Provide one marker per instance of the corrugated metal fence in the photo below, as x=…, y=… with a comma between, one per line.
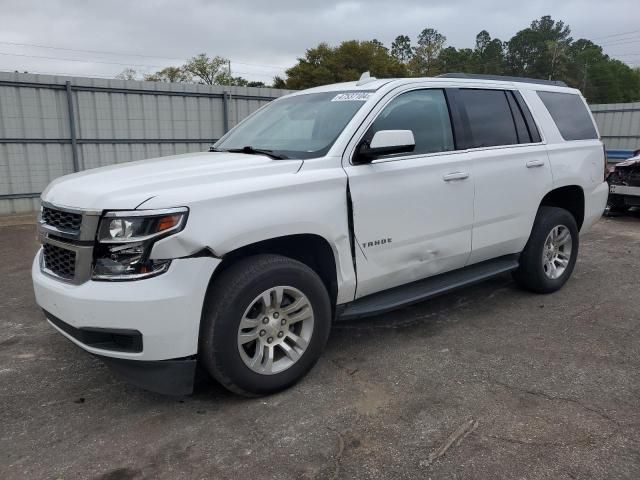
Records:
x=51, y=126
x=619, y=125
x=115, y=121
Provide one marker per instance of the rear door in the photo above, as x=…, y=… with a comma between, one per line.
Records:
x=511, y=169
x=412, y=213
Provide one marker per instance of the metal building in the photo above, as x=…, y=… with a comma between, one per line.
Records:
x=619, y=125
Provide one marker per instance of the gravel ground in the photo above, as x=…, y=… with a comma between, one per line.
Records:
x=488, y=382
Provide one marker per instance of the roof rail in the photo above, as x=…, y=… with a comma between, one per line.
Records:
x=503, y=78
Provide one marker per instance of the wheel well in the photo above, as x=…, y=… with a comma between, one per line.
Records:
x=570, y=198
x=312, y=250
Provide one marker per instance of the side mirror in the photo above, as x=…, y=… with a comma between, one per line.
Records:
x=385, y=142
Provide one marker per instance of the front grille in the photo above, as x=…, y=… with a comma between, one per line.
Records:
x=59, y=261
x=66, y=221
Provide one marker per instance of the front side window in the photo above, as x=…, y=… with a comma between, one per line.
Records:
x=302, y=126
x=570, y=114
x=425, y=113
x=490, y=120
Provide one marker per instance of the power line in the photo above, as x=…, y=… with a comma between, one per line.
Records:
x=258, y=74
x=67, y=74
x=88, y=51
x=80, y=60
x=90, y=75
x=616, y=34
x=626, y=42
x=122, y=54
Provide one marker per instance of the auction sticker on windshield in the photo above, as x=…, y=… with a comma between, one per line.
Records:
x=352, y=97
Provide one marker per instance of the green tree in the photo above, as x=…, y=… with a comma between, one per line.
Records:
x=425, y=56
x=539, y=51
x=483, y=39
x=209, y=71
x=279, y=82
x=401, y=49
x=325, y=64
x=378, y=43
x=451, y=60
x=127, y=74
x=589, y=70
x=169, y=75
x=488, y=54
x=212, y=71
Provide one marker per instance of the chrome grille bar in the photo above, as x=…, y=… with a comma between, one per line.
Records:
x=68, y=236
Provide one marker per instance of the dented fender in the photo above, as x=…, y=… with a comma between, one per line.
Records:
x=314, y=203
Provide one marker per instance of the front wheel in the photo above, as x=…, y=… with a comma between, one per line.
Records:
x=550, y=255
x=265, y=324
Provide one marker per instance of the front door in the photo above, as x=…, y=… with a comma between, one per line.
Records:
x=412, y=213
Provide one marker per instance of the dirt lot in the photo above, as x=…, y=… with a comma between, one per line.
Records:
x=490, y=382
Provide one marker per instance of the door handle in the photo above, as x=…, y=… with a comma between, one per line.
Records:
x=455, y=176
x=535, y=163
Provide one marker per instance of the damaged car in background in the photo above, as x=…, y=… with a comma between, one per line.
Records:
x=624, y=185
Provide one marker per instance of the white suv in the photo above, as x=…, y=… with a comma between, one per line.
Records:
x=336, y=202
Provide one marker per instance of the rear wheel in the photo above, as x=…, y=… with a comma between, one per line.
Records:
x=551, y=252
x=265, y=324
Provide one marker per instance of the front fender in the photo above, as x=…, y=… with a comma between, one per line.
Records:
x=315, y=204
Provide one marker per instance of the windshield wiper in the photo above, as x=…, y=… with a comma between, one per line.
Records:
x=256, y=151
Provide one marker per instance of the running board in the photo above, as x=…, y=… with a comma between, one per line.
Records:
x=415, y=292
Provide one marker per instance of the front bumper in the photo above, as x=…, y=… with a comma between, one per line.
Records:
x=165, y=310
x=146, y=331
x=168, y=377
x=624, y=190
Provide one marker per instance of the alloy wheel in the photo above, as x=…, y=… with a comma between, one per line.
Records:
x=556, y=252
x=275, y=330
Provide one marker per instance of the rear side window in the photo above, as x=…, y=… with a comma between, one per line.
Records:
x=531, y=124
x=518, y=118
x=425, y=113
x=490, y=119
x=570, y=114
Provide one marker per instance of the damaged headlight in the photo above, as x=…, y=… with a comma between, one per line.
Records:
x=125, y=239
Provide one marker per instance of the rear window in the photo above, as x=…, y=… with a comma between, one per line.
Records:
x=570, y=114
x=490, y=119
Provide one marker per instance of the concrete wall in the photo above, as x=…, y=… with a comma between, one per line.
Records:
x=113, y=121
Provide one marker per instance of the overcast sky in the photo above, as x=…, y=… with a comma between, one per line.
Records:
x=262, y=38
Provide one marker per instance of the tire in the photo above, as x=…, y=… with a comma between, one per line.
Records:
x=535, y=273
x=238, y=295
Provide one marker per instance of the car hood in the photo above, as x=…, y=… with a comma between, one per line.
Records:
x=128, y=185
x=629, y=162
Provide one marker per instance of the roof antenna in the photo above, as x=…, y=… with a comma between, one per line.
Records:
x=365, y=78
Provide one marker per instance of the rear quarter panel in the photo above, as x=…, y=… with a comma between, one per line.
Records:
x=576, y=162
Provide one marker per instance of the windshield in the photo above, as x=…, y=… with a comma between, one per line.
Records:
x=302, y=126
